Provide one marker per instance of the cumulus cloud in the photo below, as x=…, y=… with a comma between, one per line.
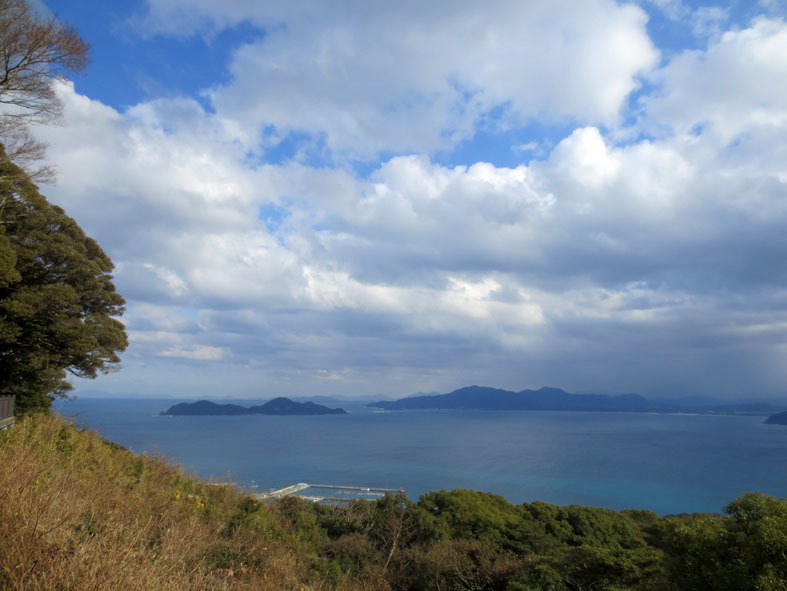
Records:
x=653, y=264
x=737, y=87
x=370, y=78
x=197, y=352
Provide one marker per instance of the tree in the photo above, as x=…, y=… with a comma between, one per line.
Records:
x=57, y=301
x=33, y=52
x=745, y=550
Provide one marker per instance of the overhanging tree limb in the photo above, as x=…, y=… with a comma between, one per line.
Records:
x=33, y=53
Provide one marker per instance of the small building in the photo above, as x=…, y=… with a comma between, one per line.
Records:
x=6, y=411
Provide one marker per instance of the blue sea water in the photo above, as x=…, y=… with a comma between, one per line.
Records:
x=665, y=463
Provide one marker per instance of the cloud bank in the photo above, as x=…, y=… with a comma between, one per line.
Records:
x=641, y=249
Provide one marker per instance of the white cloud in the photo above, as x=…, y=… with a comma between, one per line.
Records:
x=617, y=261
x=175, y=285
x=197, y=353
x=526, y=147
x=738, y=86
x=584, y=157
x=672, y=9
x=374, y=77
x=707, y=21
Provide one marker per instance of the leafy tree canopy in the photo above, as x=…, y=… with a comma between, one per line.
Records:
x=744, y=550
x=57, y=301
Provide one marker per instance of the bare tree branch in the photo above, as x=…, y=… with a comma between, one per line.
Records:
x=33, y=53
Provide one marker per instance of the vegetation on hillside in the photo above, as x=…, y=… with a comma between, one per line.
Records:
x=79, y=512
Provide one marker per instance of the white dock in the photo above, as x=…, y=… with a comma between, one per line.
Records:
x=283, y=492
x=351, y=493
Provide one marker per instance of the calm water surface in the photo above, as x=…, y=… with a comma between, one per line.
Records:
x=665, y=463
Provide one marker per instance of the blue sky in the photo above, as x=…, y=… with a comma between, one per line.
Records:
x=363, y=198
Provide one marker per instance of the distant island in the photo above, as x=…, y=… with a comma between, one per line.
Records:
x=485, y=398
x=277, y=406
x=780, y=418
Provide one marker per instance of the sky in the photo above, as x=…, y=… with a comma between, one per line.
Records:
x=363, y=198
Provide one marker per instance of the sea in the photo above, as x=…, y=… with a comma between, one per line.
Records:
x=666, y=463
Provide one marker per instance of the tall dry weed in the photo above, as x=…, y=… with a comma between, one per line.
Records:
x=79, y=513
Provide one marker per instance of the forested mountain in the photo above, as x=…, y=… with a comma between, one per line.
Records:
x=484, y=398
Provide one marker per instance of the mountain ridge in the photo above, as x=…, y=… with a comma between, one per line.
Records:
x=556, y=399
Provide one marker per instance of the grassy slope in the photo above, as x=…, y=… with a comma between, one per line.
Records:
x=78, y=512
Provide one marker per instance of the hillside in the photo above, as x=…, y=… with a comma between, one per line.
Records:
x=81, y=513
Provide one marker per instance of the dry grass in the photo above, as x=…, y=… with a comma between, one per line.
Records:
x=79, y=513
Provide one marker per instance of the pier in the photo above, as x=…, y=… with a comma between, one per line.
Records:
x=338, y=493
x=361, y=488
x=283, y=492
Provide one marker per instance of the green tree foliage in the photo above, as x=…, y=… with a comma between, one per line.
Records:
x=57, y=301
x=470, y=514
x=466, y=540
x=746, y=550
